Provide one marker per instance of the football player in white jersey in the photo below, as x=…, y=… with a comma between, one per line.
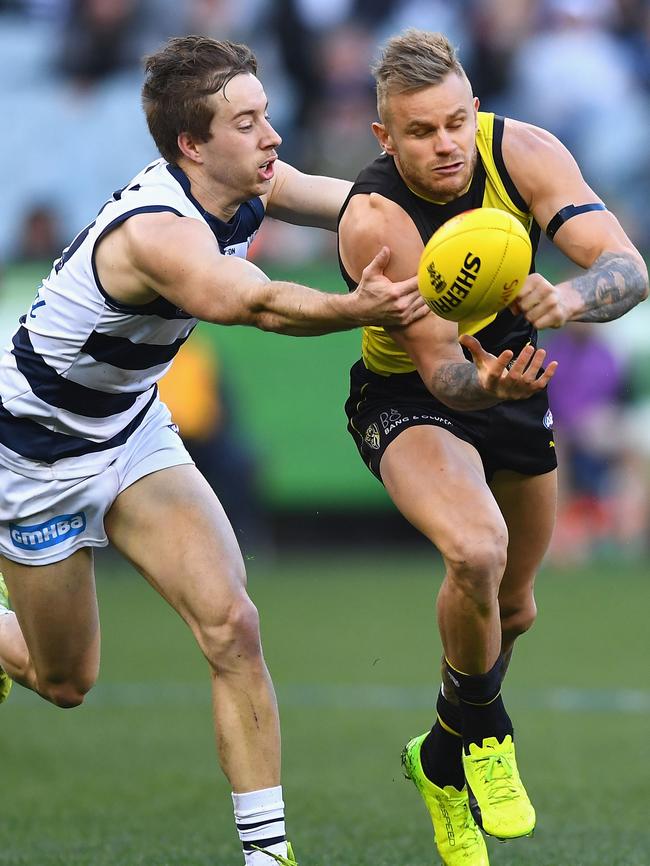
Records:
x=88, y=453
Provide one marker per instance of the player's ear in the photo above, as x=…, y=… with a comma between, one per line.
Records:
x=383, y=137
x=188, y=147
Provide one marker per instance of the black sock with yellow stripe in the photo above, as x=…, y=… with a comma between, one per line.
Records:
x=481, y=706
x=441, y=751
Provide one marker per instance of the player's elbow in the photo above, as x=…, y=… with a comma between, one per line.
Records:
x=635, y=271
x=645, y=284
x=632, y=269
x=226, y=312
x=643, y=293
x=267, y=321
x=238, y=298
x=258, y=308
x=275, y=323
x=261, y=315
x=637, y=287
x=268, y=310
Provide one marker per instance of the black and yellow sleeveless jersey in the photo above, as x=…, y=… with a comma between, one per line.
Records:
x=491, y=186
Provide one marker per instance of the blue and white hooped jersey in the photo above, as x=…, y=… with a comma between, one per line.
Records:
x=80, y=375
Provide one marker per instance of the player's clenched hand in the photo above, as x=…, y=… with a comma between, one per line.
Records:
x=506, y=378
x=378, y=301
x=542, y=303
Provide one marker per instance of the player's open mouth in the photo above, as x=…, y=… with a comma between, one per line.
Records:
x=266, y=170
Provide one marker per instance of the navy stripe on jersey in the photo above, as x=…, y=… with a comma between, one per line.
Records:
x=54, y=389
x=35, y=442
x=160, y=306
x=122, y=353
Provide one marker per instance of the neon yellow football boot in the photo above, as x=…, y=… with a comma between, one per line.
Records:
x=457, y=836
x=493, y=778
x=5, y=682
x=289, y=860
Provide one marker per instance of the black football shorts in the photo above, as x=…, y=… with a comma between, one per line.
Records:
x=515, y=435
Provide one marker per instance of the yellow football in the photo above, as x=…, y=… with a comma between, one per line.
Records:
x=474, y=266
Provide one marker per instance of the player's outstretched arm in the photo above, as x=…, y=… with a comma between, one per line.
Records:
x=507, y=377
x=615, y=278
x=178, y=259
x=467, y=386
x=306, y=199
x=615, y=283
x=289, y=308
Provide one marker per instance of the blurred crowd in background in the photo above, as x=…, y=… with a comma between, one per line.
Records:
x=73, y=130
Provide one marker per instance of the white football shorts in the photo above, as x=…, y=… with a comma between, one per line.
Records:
x=44, y=521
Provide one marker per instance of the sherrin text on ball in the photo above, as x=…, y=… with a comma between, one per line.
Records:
x=474, y=265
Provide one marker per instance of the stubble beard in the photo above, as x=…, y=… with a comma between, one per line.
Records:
x=443, y=191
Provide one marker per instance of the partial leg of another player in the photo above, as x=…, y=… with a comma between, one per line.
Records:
x=171, y=526
x=50, y=643
x=8, y=626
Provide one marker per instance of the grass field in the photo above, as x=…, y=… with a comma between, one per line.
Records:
x=131, y=778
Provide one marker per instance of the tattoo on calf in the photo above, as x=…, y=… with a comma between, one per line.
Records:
x=614, y=284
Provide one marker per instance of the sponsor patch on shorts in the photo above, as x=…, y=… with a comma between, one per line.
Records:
x=54, y=531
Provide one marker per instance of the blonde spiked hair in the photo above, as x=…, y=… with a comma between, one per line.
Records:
x=412, y=60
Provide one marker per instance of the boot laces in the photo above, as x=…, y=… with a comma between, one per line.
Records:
x=498, y=775
x=469, y=833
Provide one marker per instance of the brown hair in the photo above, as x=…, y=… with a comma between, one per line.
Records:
x=179, y=78
x=412, y=60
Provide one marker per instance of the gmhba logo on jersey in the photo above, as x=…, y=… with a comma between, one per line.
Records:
x=47, y=534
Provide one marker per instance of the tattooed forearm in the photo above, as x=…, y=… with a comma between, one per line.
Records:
x=614, y=284
x=457, y=386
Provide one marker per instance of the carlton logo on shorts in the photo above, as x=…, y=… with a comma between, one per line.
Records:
x=548, y=420
x=47, y=534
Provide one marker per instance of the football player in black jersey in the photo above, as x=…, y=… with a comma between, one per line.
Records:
x=459, y=432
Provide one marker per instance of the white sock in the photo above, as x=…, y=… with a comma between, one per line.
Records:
x=259, y=816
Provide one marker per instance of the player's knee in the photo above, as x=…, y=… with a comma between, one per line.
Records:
x=517, y=620
x=68, y=693
x=234, y=639
x=476, y=562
